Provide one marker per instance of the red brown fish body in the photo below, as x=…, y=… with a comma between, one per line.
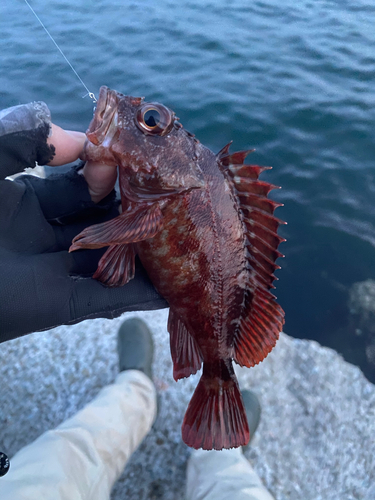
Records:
x=204, y=230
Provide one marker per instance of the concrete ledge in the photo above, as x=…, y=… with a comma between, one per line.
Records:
x=315, y=440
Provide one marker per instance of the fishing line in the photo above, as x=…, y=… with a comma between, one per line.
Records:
x=90, y=94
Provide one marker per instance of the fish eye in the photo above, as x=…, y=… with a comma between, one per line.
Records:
x=151, y=118
x=154, y=119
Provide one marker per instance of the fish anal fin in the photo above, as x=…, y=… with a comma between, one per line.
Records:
x=135, y=224
x=117, y=266
x=185, y=351
x=216, y=417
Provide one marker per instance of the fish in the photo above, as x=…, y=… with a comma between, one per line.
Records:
x=204, y=229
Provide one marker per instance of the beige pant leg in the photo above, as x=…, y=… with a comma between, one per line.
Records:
x=223, y=475
x=82, y=458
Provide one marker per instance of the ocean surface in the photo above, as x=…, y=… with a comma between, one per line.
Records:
x=295, y=80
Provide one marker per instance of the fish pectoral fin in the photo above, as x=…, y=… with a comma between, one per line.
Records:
x=185, y=352
x=117, y=266
x=136, y=224
x=216, y=417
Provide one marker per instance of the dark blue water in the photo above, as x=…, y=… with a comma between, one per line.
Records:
x=295, y=80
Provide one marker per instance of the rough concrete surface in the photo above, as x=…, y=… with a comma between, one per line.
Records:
x=362, y=308
x=316, y=439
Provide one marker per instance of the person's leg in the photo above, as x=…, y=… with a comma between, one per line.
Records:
x=82, y=458
x=226, y=474
x=223, y=475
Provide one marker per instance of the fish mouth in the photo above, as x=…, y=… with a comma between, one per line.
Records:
x=105, y=111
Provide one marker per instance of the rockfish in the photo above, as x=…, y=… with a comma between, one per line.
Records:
x=205, y=232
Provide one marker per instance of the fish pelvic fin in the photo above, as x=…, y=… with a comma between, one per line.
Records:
x=117, y=266
x=138, y=223
x=216, y=417
x=185, y=351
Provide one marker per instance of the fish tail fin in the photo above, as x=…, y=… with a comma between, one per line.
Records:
x=216, y=417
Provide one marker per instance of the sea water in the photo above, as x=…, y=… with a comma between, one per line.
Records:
x=295, y=80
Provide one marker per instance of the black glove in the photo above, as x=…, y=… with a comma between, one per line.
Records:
x=41, y=284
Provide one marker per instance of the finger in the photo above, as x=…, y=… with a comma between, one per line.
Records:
x=65, y=233
x=91, y=299
x=34, y=294
x=50, y=297
x=85, y=262
x=38, y=292
x=101, y=179
x=68, y=145
x=65, y=195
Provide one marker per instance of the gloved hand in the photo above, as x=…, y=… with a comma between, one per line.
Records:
x=41, y=284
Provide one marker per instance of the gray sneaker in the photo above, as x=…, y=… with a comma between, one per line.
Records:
x=253, y=411
x=135, y=346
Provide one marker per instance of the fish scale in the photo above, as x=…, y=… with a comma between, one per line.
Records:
x=203, y=227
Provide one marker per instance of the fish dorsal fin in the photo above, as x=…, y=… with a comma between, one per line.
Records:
x=224, y=151
x=185, y=352
x=234, y=158
x=262, y=318
x=138, y=223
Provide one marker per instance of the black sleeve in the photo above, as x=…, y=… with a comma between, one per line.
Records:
x=65, y=195
x=23, y=137
x=41, y=295
x=41, y=284
x=23, y=141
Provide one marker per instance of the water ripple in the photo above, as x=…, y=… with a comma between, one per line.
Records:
x=292, y=79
